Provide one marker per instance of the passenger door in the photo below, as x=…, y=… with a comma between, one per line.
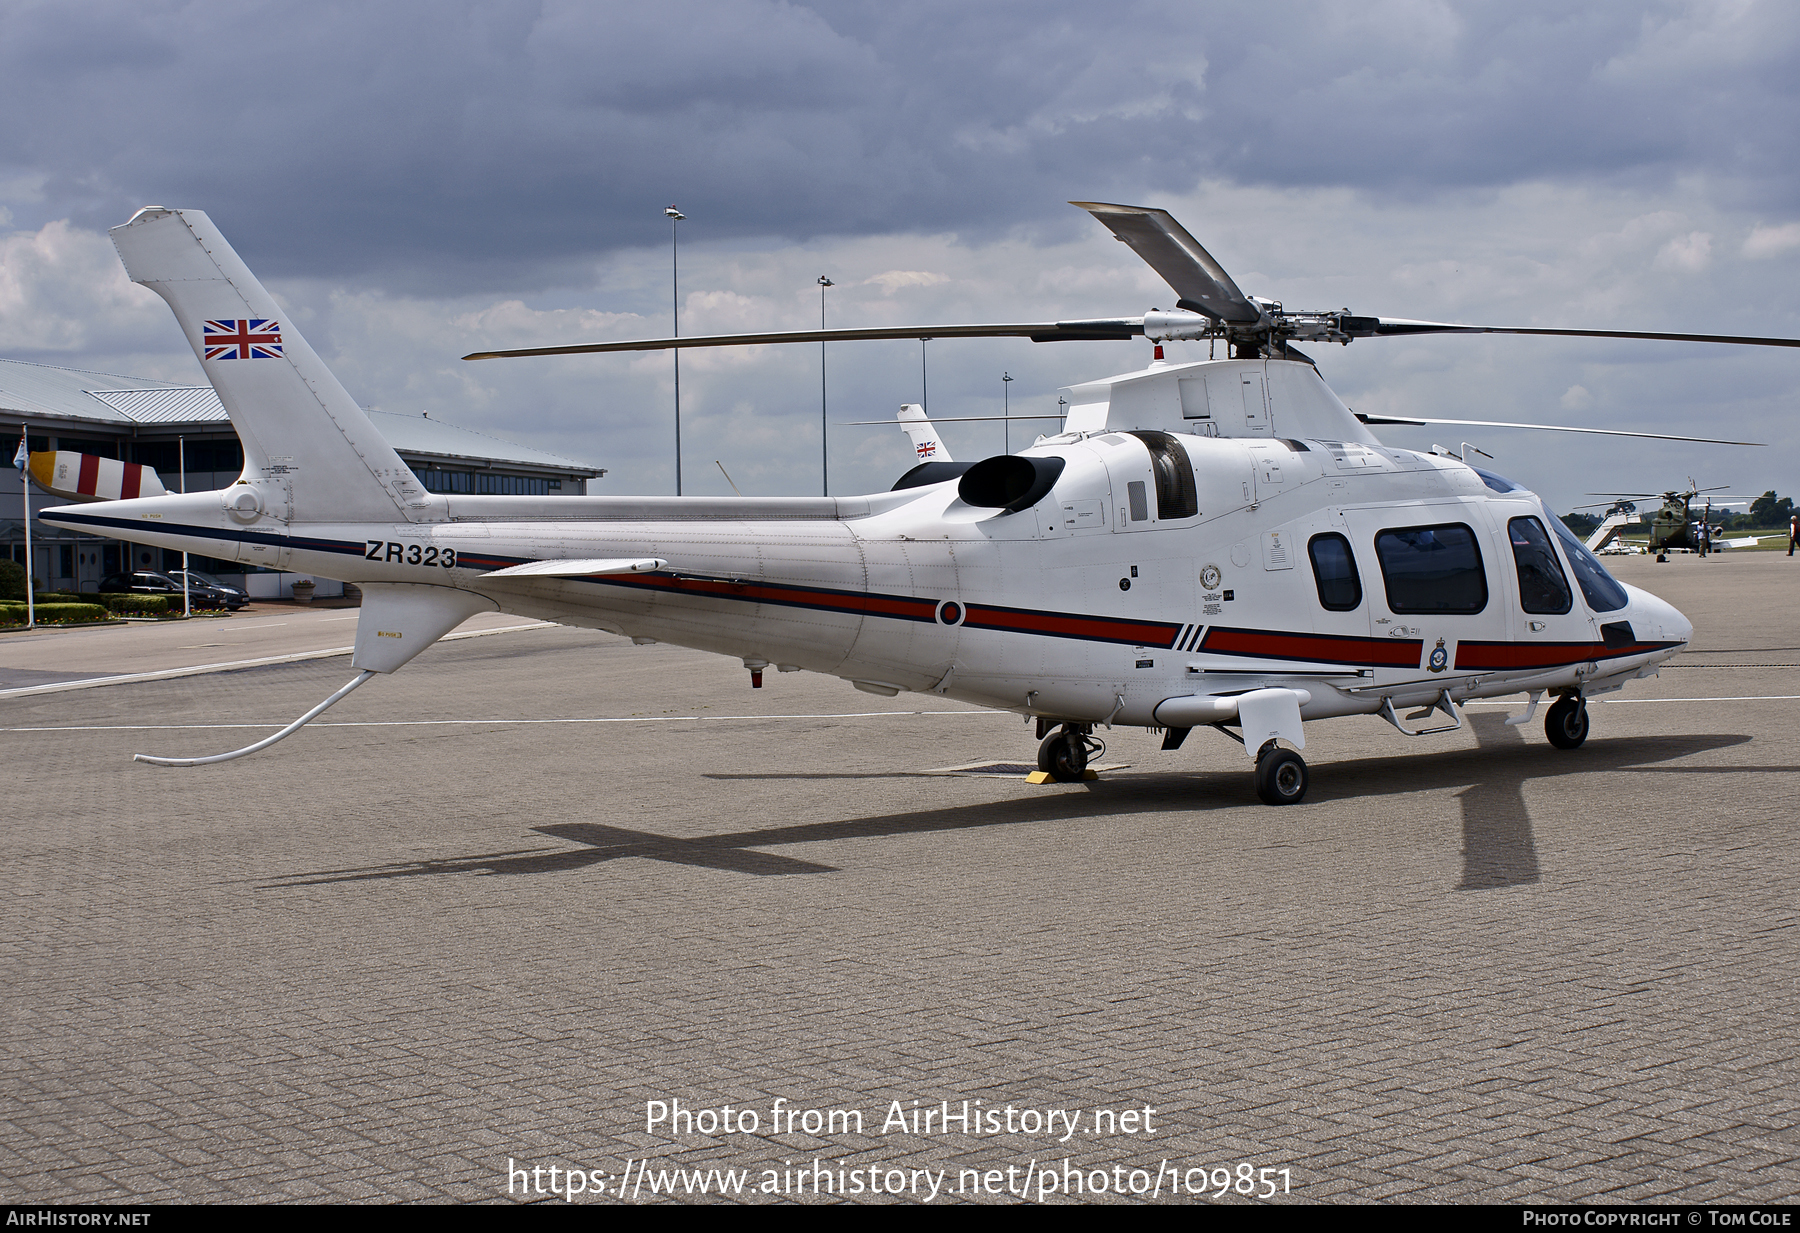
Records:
x=1434, y=579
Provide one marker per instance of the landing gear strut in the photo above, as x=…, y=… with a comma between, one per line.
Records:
x=1567, y=723
x=1064, y=754
x=1280, y=775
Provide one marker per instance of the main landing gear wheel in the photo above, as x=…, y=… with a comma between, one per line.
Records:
x=1567, y=723
x=1064, y=756
x=1280, y=776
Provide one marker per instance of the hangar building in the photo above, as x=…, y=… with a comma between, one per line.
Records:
x=138, y=420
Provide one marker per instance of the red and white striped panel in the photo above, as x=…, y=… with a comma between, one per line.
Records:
x=89, y=477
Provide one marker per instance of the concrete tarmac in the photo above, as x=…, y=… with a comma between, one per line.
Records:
x=498, y=913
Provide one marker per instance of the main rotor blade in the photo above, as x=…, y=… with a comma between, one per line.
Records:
x=953, y=419
x=1603, y=432
x=1386, y=327
x=1165, y=245
x=1044, y=331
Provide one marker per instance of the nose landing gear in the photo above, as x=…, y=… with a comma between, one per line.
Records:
x=1064, y=754
x=1567, y=723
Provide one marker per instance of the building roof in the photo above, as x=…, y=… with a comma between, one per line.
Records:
x=42, y=389
x=128, y=402
x=424, y=434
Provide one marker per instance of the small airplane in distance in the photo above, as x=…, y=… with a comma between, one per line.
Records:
x=1216, y=544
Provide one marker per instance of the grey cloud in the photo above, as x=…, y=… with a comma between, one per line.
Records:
x=452, y=147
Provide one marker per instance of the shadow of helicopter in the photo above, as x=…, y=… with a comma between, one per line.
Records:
x=1498, y=846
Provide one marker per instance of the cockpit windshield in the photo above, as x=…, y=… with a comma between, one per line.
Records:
x=1499, y=483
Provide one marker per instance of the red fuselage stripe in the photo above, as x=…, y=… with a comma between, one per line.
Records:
x=1314, y=648
x=1502, y=656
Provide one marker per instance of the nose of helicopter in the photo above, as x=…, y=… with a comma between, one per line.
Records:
x=1656, y=619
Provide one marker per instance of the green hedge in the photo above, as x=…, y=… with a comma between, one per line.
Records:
x=55, y=614
x=129, y=604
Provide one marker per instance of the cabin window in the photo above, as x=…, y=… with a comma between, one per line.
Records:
x=1176, y=496
x=1334, y=569
x=1433, y=569
x=1542, y=585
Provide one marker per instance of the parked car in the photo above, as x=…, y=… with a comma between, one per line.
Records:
x=144, y=582
x=235, y=597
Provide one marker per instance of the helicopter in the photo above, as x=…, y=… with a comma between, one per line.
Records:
x=1673, y=527
x=1216, y=544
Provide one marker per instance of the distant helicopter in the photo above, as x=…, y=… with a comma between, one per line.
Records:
x=1673, y=527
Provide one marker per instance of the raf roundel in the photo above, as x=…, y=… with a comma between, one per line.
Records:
x=950, y=612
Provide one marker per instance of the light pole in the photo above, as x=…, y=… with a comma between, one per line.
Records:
x=824, y=428
x=675, y=216
x=924, y=385
x=23, y=461
x=1006, y=405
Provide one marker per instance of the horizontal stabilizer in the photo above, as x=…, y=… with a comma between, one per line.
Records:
x=88, y=477
x=580, y=569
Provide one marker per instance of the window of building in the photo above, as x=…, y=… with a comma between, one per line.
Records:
x=1334, y=570
x=435, y=480
x=215, y=455
x=100, y=449
x=1542, y=584
x=512, y=485
x=158, y=455
x=1433, y=569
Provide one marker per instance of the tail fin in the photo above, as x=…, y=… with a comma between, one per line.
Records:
x=308, y=448
x=923, y=433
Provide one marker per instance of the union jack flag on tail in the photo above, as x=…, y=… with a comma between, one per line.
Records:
x=254, y=338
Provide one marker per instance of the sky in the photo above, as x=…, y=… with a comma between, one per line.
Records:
x=417, y=181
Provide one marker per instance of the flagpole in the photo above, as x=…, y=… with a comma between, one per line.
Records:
x=24, y=460
x=187, y=603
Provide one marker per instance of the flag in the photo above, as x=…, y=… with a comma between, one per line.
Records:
x=20, y=458
x=254, y=338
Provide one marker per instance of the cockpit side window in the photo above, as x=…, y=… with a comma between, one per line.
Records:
x=1334, y=570
x=1542, y=586
x=1597, y=586
x=1176, y=496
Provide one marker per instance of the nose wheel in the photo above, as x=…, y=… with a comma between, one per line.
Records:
x=1064, y=755
x=1280, y=776
x=1567, y=723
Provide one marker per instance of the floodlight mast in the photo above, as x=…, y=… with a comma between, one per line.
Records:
x=824, y=425
x=675, y=216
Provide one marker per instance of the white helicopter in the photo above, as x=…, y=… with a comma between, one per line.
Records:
x=1219, y=544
